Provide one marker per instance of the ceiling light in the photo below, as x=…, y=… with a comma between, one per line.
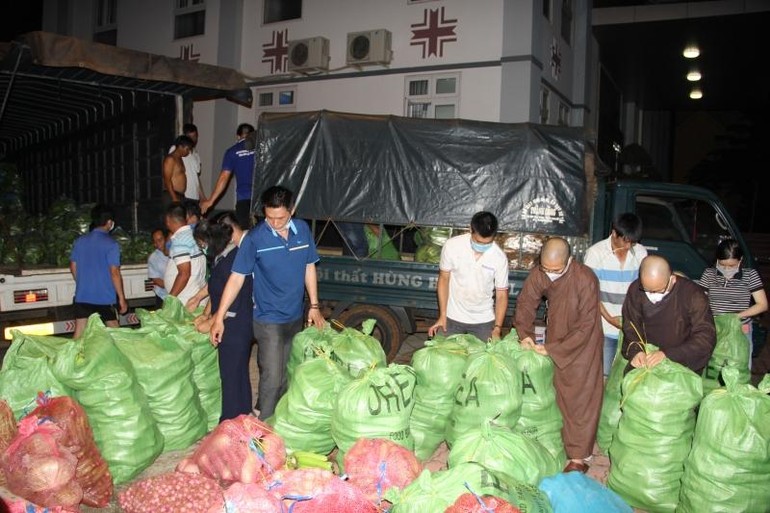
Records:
x=694, y=76
x=691, y=51
x=696, y=94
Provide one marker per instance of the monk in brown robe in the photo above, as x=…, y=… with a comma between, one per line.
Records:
x=574, y=340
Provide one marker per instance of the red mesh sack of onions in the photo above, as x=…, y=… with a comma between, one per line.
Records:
x=251, y=498
x=22, y=506
x=91, y=473
x=7, y=431
x=243, y=449
x=375, y=465
x=173, y=492
x=39, y=468
x=472, y=503
x=315, y=490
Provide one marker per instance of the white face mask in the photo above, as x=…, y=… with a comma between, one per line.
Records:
x=728, y=272
x=556, y=276
x=657, y=297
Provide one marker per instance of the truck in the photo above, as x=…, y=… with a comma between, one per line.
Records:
x=417, y=177
x=92, y=123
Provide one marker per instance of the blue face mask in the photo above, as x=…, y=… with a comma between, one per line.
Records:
x=480, y=248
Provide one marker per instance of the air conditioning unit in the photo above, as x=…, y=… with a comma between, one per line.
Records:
x=309, y=54
x=369, y=47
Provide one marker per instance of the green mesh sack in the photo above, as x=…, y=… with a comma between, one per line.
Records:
x=377, y=404
x=438, y=367
x=26, y=371
x=308, y=344
x=163, y=369
x=490, y=389
x=728, y=468
x=434, y=492
x=540, y=418
x=503, y=451
x=610, y=416
x=303, y=415
x=654, y=435
x=105, y=385
x=471, y=343
x=731, y=350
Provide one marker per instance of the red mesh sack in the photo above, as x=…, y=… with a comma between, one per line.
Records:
x=251, y=498
x=92, y=472
x=316, y=490
x=38, y=468
x=376, y=465
x=173, y=492
x=22, y=506
x=243, y=449
x=472, y=503
x=7, y=431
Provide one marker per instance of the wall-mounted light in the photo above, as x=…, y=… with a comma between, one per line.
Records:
x=691, y=51
x=694, y=76
x=696, y=94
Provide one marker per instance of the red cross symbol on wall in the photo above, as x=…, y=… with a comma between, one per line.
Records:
x=277, y=50
x=433, y=32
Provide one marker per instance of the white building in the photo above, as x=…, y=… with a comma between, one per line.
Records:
x=490, y=60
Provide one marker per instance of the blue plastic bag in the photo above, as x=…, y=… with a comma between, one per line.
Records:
x=574, y=492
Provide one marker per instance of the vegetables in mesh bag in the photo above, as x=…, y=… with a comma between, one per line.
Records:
x=490, y=389
x=540, y=417
x=105, y=386
x=164, y=370
x=303, y=415
x=376, y=405
x=503, y=451
x=472, y=503
x=731, y=350
x=39, y=468
x=173, y=492
x=318, y=491
x=439, y=368
x=7, y=431
x=251, y=498
x=243, y=449
x=728, y=468
x=91, y=473
x=654, y=435
x=610, y=416
x=375, y=466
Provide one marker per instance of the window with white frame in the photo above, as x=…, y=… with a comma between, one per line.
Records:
x=563, y=114
x=276, y=99
x=281, y=10
x=432, y=96
x=106, y=22
x=566, y=21
x=189, y=18
x=545, y=97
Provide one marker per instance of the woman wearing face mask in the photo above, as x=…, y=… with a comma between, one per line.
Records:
x=217, y=238
x=731, y=288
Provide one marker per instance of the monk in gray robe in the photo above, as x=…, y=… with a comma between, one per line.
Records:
x=574, y=340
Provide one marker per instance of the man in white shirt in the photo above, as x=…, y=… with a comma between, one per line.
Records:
x=615, y=261
x=156, y=266
x=473, y=282
x=186, y=270
x=192, y=166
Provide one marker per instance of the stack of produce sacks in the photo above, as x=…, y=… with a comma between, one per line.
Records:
x=728, y=468
x=439, y=368
x=654, y=434
x=540, y=417
x=732, y=350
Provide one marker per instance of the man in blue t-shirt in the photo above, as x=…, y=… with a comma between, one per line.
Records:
x=95, y=265
x=238, y=161
x=281, y=255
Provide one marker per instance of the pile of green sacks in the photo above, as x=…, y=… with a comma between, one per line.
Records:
x=145, y=391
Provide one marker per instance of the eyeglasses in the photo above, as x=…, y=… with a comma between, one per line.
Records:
x=668, y=284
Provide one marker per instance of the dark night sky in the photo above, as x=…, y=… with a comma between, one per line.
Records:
x=19, y=16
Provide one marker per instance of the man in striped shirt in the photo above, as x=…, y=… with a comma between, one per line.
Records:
x=186, y=269
x=615, y=261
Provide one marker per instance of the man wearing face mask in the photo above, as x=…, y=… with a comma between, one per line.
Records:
x=670, y=312
x=95, y=266
x=473, y=282
x=574, y=340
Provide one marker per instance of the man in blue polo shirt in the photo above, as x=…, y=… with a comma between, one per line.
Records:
x=281, y=255
x=95, y=265
x=238, y=160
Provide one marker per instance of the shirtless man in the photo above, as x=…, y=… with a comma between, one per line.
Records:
x=174, y=177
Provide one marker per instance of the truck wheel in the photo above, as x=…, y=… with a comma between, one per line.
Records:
x=387, y=330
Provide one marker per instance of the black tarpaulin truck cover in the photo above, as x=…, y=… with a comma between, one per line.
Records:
x=395, y=170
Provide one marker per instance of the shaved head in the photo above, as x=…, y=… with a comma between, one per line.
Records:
x=654, y=273
x=555, y=253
